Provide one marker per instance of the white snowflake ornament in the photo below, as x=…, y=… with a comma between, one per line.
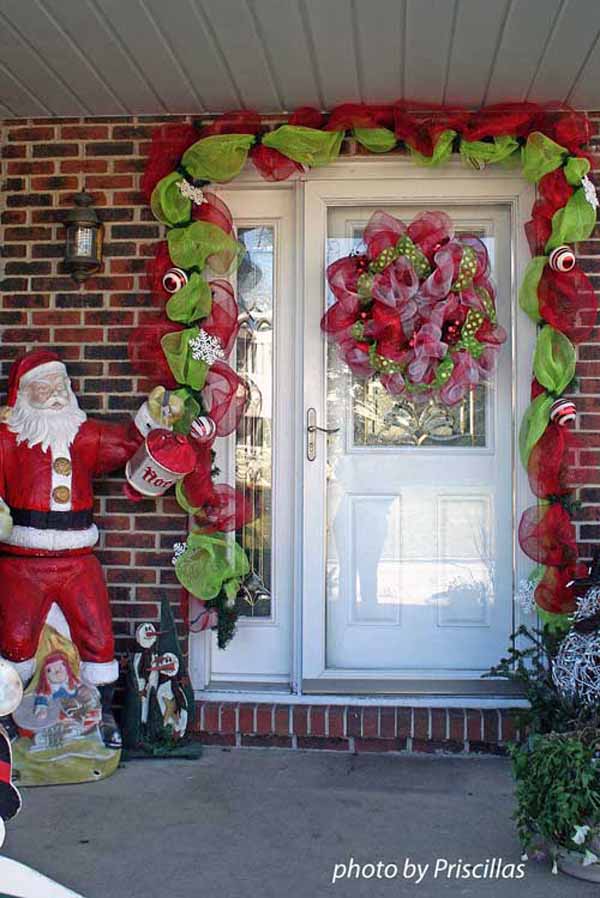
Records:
x=589, y=190
x=178, y=550
x=206, y=348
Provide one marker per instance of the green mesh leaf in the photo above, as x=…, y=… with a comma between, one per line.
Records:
x=528, y=295
x=480, y=152
x=211, y=563
x=191, y=302
x=573, y=222
x=556, y=623
x=535, y=420
x=217, y=158
x=191, y=410
x=575, y=169
x=183, y=500
x=376, y=140
x=441, y=152
x=554, y=360
x=185, y=369
x=193, y=246
x=309, y=146
x=167, y=203
x=541, y=156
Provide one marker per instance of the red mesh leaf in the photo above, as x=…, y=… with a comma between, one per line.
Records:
x=547, y=535
x=342, y=276
x=225, y=395
x=501, y=118
x=306, y=117
x=430, y=231
x=227, y=509
x=338, y=319
x=215, y=211
x=223, y=319
x=156, y=267
x=273, y=165
x=169, y=143
x=564, y=125
x=536, y=389
x=360, y=115
x=197, y=485
x=421, y=128
x=552, y=593
x=551, y=466
x=567, y=301
x=538, y=231
x=244, y=121
x=146, y=355
x=555, y=190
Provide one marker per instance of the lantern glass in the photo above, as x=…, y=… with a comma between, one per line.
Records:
x=84, y=232
x=84, y=242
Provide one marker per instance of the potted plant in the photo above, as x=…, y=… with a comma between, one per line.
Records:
x=557, y=766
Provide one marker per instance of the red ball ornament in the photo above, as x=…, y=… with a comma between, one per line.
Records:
x=174, y=279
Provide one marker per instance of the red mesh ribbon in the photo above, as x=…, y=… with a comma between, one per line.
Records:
x=360, y=115
x=156, y=268
x=421, y=128
x=430, y=231
x=197, y=486
x=383, y=230
x=215, y=211
x=566, y=126
x=226, y=509
x=223, y=319
x=244, y=121
x=567, y=302
x=225, y=396
x=554, y=192
x=552, y=467
x=552, y=593
x=307, y=117
x=499, y=119
x=169, y=143
x=146, y=354
x=195, y=613
x=273, y=165
x=547, y=535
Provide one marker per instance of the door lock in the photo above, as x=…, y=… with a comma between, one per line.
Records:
x=312, y=429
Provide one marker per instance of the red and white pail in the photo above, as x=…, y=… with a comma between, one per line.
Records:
x=162, y=459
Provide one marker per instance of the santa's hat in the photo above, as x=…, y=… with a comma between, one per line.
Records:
x=31, y=366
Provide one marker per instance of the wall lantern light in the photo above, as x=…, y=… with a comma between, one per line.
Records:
x=83, y=251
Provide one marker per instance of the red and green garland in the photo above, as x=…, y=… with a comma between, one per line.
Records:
x=185, y=347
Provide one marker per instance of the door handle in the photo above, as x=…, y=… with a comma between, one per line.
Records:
x=312, y=429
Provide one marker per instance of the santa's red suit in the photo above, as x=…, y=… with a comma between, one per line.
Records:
x=47, y=556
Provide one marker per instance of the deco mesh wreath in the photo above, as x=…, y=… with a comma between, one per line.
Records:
x=416, y=309
x=422, y=319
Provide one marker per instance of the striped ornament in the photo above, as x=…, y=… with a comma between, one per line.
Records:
x=562, y=259
x=174, y=279
x=563, y=411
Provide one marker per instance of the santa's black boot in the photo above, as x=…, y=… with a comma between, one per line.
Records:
x=109, y=730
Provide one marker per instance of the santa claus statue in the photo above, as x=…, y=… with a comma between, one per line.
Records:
x=50, y=451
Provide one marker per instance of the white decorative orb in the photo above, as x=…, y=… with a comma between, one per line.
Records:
x=576, y=668
x=174, y=279
x=562, y=259
x=203, y=429
x=11, y=689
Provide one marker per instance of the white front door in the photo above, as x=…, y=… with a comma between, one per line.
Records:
x=409, y=510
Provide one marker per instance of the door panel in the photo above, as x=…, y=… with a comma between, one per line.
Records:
x=416, y=509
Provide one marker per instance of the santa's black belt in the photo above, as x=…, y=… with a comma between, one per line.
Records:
x=52, y=520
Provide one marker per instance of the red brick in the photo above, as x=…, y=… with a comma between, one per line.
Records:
x=325, y=743
x=264, y=719
x=300, y=720
x=84, y=132
x=282, y=720
x=379, y=745
x=317, y=720
x=227, y=719
x=217, y=739
x=421, y=723
x=335, y=721
x=491, y=726
x=474, y=725
x=438, y=723
x=246, y=718
x=266, y=741
x=457, y=724
x=354, y=722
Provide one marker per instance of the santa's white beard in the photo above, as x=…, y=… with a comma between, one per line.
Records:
x=54, y=429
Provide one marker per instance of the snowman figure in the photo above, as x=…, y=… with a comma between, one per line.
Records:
x=171, y=696
x=145, y=666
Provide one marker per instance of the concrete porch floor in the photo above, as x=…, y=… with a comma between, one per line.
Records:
x=273, y=824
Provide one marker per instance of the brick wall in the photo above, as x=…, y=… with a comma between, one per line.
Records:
x=43, y=162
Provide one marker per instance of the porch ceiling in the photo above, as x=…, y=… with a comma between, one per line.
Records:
x=112, y=57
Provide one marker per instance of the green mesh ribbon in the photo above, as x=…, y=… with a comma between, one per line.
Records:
x=185, y=369
x=441, y=152
x=167, y=203
x=479, y=152
x=308, y=146
x=191, y=410
x=191, y=247
x=191, y=302
x=217, y=158
x=541, y=156
x=376, y=140
x=556, y=623
x=573, y=222
x=554, y=360
x=210, y=563
x=575, y=169
x=528, y=294
x=535, y=421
